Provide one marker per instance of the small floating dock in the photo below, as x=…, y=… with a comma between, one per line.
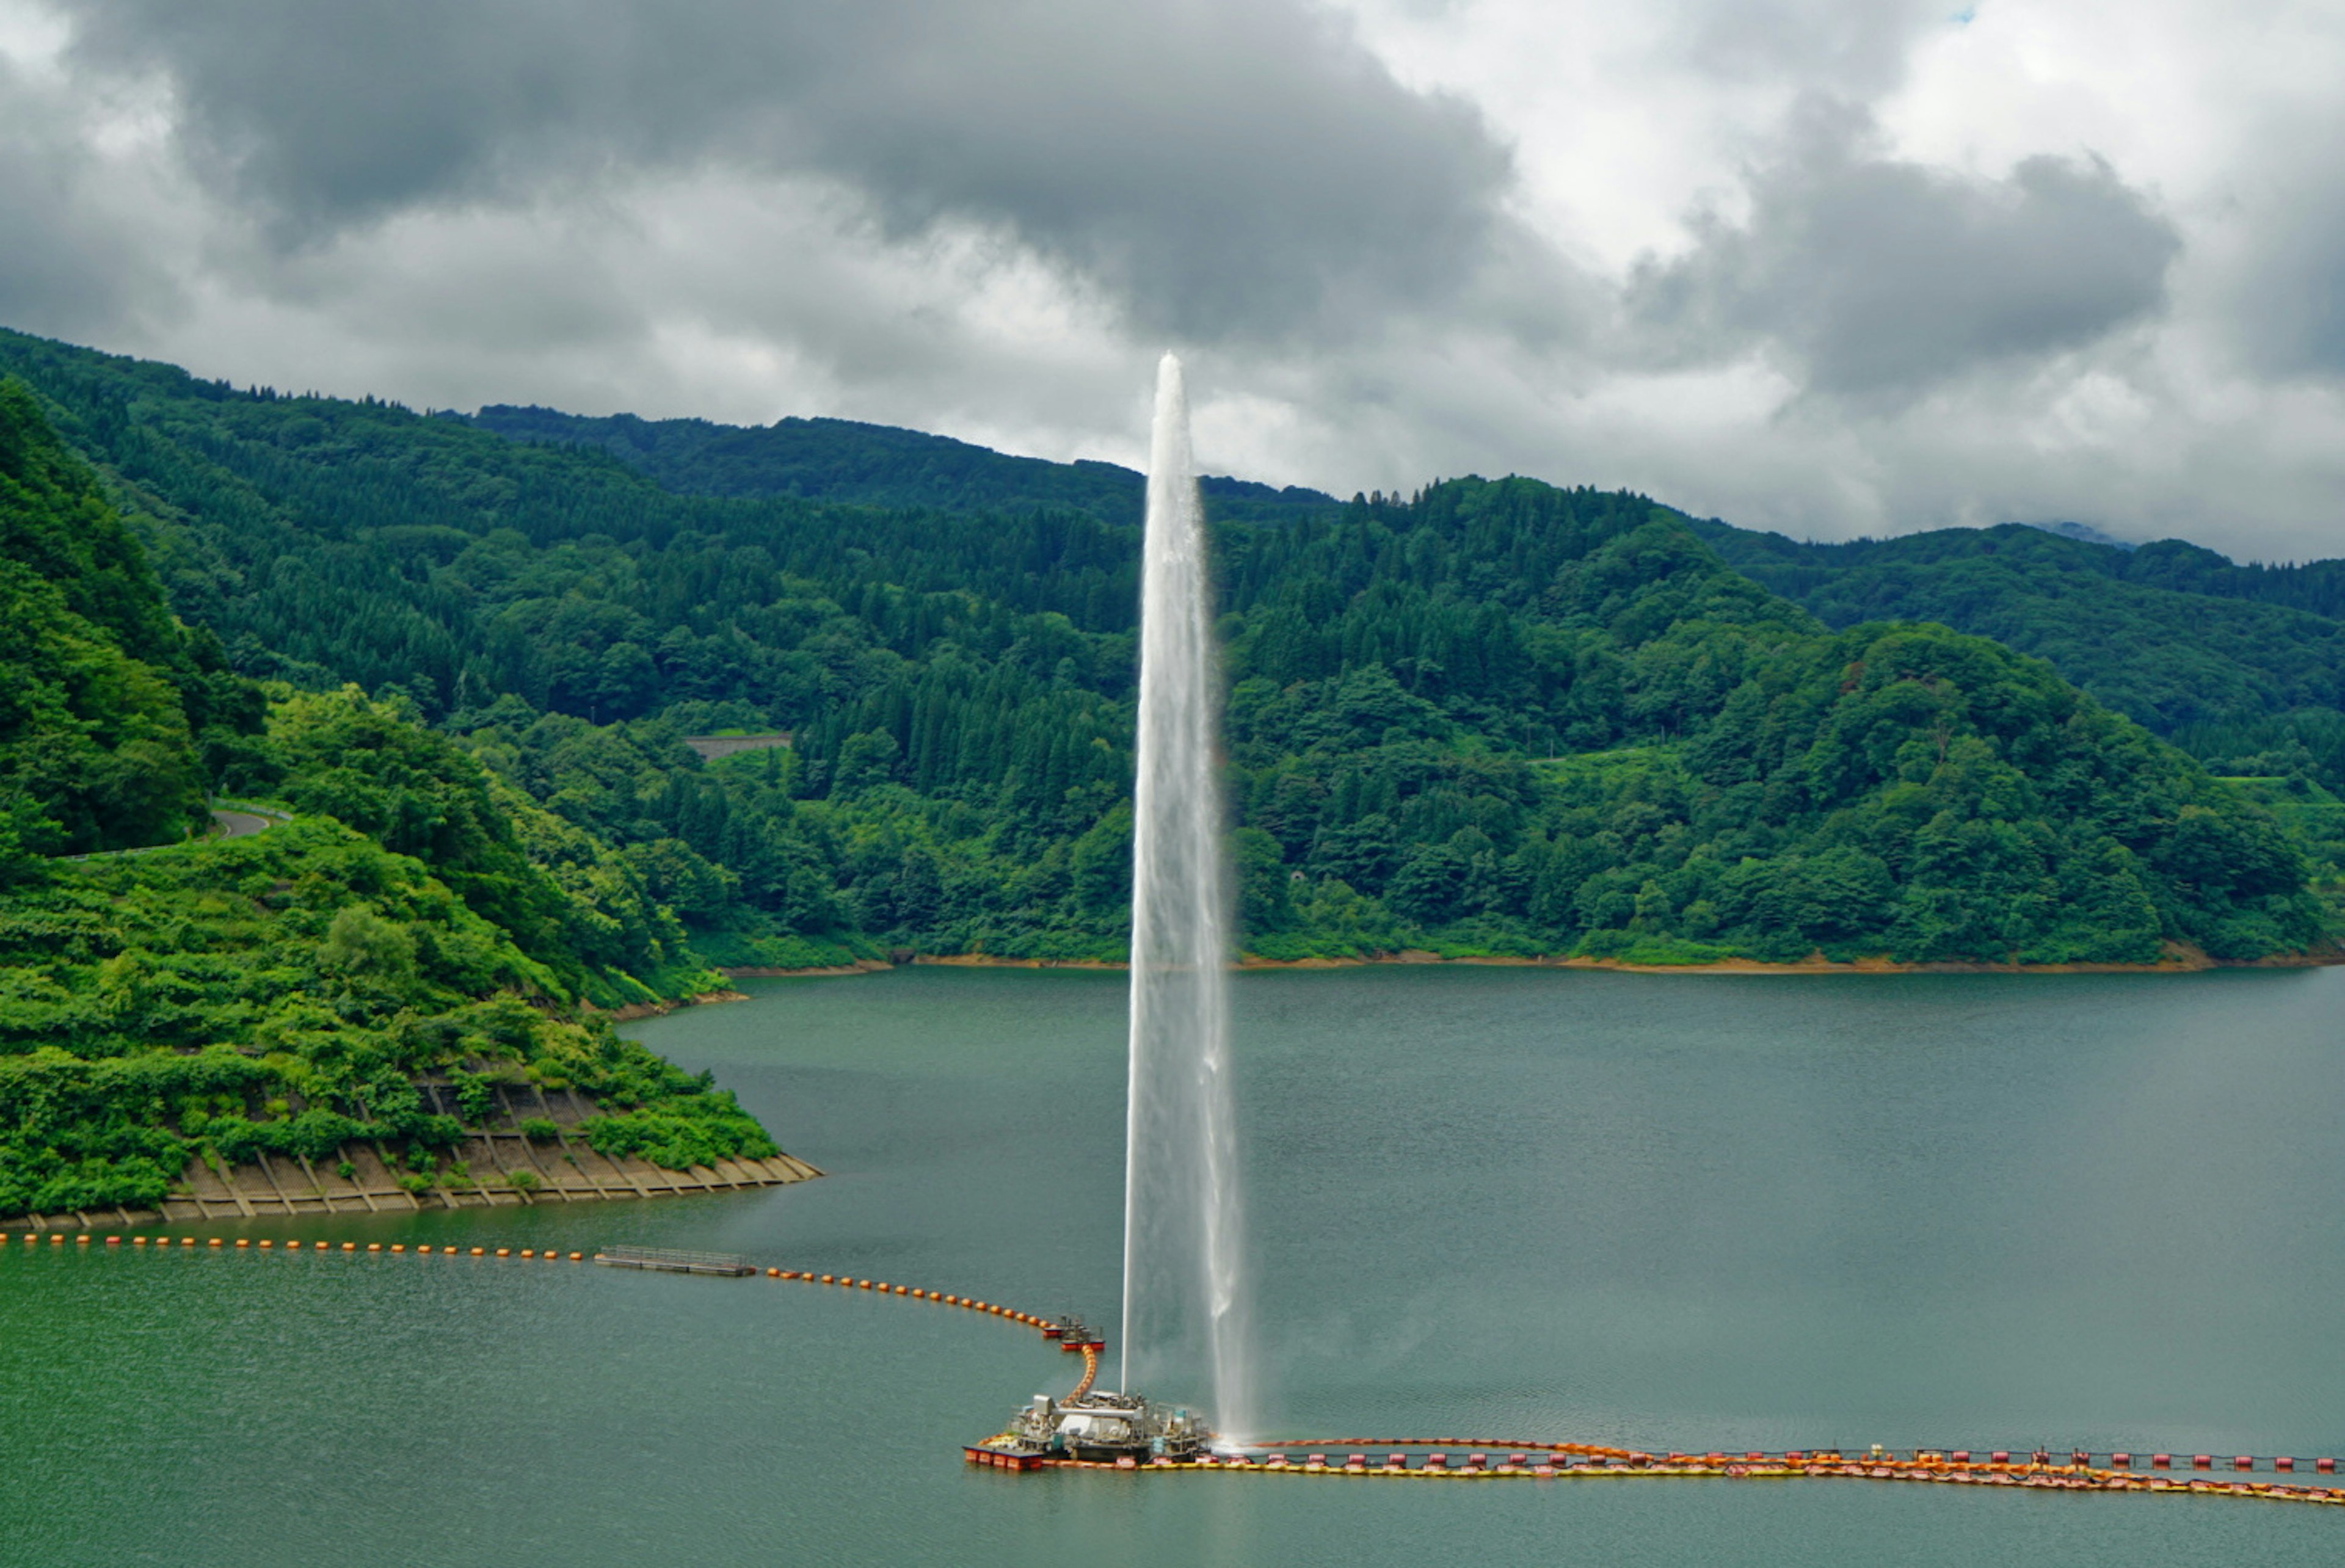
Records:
x=667, y=1261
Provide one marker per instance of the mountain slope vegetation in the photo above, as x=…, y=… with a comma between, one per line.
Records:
x=1494, y=717
x=179, y=996
x=2174, y=636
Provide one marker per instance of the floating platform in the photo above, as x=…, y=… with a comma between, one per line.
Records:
x=667, y=1261
x=1004, y=1458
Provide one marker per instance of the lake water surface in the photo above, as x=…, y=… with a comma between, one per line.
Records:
x=1691, y=1211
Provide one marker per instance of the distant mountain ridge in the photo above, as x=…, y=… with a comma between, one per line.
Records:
x=2087, y=533
x=2170, y=634
x=867, y=465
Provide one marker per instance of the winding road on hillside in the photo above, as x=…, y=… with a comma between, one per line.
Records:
x=226, y=823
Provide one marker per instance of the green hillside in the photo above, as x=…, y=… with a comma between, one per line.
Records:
x=411, y=915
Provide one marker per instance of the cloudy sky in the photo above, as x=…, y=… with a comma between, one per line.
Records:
x=1833, y=266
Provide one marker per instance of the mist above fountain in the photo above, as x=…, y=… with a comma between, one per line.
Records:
x=1184, y=1300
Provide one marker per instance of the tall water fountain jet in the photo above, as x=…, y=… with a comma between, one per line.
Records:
x=1185, y=1299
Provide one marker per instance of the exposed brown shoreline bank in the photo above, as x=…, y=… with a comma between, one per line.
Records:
x=635, y=1011
x=505, y=1165
x=2180, y=960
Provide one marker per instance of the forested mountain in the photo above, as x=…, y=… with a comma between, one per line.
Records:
x=413, y=914
x=2224, y=658
x=1492, y=717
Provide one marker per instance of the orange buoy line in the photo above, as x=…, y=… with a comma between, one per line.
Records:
x=2121, y=1462
x=880, y=1287
x=295, y=1244
x=550, y=1255
x=1434, y=1466
x=1554, y=1460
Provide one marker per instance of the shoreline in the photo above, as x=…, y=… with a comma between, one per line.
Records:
x=2180, y=961
x=518, y=1168
x=629, y=1013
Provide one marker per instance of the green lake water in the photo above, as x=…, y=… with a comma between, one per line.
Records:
x=1692, y=1211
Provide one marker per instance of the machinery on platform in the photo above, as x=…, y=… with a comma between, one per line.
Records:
x=1088, y=1426
x=1098, y=1428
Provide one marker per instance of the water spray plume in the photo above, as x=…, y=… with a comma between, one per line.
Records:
x=1184, y=1300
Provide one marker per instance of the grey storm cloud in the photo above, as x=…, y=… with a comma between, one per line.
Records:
x=1878, y=276
x=66, y=260
x=2290, y=300
x=1221, y=166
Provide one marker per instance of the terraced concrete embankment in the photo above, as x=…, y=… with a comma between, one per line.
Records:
x=505, y=1167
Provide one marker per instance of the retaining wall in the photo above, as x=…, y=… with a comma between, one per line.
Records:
x=566, y=1170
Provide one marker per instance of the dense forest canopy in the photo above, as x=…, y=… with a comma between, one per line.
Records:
x=2174, y=636
x=1492, y=717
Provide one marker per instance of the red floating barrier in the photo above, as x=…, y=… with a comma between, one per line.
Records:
x=2325, y=1466
x=2080, y=1457
x=1961, y=1456
x=2202, y=1461
x=2121, y=1461
x=2284, y=1463
x=2161, y=1462
x=2243, y=1462
x=2002, y=1456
